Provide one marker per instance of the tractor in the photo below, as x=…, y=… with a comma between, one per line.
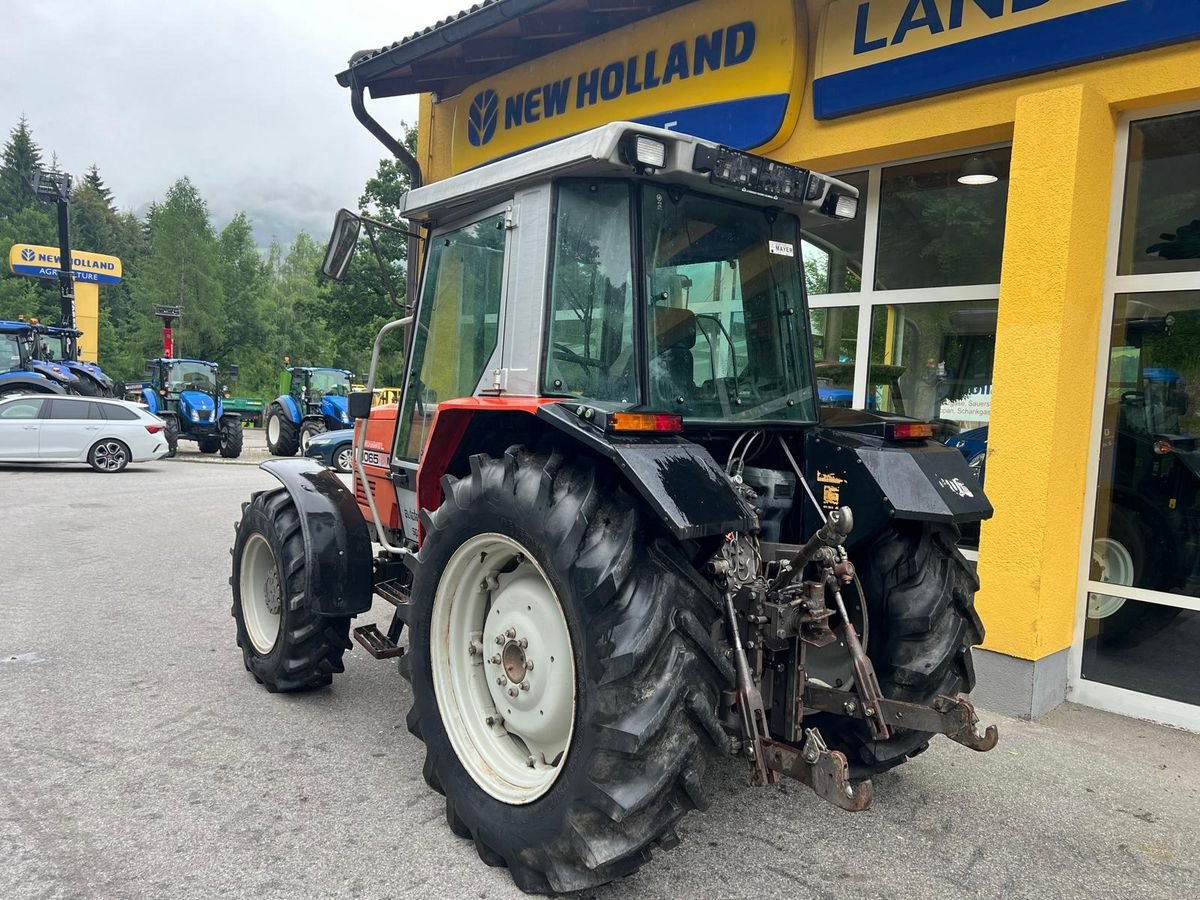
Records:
x=22, y=372
x=615, y=537
x=59, y=345
x=186, y=395
x=311, y=401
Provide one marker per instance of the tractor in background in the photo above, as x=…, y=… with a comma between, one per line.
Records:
x=22, y=373
x=311, y=401
x=59, y=345
x=186, y=394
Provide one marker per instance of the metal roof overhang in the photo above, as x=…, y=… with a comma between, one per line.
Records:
x=488, y=38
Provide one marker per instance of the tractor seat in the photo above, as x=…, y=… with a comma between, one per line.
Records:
x=672, y=370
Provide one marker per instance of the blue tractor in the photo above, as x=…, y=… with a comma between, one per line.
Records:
x=22, y=373
x=58, y=345
x=311, y=402
x=185, y=394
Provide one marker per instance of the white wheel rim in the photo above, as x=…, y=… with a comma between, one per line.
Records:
x=508, y=709
x=1116, y=567
x=261, y=593
x=345, y=459
x=273, y=429
x=305, y=440
x=110, y=456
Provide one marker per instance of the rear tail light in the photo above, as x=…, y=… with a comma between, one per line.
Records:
x=154, y=429
x=1162, y=448
x=645, y=422
x=909, y=431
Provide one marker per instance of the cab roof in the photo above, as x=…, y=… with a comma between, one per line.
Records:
x=15, y=327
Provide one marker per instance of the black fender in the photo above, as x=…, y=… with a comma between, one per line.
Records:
x=881, y=480
x=679, y=480
x=337, y=546
x=34, y=384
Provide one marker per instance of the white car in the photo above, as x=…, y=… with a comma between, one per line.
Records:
x=106, y=434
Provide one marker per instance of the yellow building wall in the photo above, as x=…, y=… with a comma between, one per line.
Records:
x=87, y=319
x=1062, y=125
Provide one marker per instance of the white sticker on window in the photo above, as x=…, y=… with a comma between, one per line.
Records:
x=781, y=249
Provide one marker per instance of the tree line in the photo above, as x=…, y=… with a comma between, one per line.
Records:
x=241, y=307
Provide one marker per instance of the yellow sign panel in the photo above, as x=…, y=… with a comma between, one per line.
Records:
x=42, y=262
x=873, y=53
x=731, y=73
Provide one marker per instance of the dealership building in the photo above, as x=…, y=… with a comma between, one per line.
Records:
x=1024, y=268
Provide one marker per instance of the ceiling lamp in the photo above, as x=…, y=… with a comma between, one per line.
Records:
x=978, y=170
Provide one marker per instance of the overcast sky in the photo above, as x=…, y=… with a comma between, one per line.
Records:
x=239, y=95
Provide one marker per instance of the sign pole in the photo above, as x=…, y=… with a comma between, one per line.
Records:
x=66, y=280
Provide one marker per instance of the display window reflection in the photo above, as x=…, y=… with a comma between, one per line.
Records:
x=1160, y=231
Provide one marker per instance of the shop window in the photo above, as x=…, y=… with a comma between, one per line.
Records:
x=833, y=249
x=1143, y=647
x=941, y=221
x=1147, y=529
x=933, y=361
x=835, y=340
x=1161, y=227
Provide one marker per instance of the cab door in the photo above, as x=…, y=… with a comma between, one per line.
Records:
x=68, y=428
x=456, y=335
x=19, y=427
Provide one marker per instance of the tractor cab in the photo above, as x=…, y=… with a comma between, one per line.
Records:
x=59, y=345
x=22, y=370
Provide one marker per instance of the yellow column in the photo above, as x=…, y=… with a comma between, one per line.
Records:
x=1045, y=372
x=87, y=319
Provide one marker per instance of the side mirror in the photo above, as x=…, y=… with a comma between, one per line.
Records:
x=342, y=242
x=358, y=405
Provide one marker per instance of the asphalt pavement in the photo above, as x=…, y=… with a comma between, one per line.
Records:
x=139, y=759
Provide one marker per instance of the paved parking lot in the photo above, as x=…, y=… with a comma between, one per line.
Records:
x=139, y=759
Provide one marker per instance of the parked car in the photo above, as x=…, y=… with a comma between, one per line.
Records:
x=334, y=449
x=106, y=434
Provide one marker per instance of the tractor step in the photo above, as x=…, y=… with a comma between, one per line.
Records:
x=376, y=642
x=393, y=592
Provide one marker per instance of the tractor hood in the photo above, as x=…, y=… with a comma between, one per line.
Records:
x=56, y=372
x=198, y=406
x=335, y=408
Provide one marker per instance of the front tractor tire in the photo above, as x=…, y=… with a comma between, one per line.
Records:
x=309, y=429
x=171, y=433
x=285, y=645
x=231, y=437
x=921, y=606
x=562, y=669
x=282, y=436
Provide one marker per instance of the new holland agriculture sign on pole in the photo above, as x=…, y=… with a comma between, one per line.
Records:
x=42, y=262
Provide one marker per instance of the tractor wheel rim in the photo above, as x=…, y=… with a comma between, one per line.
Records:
x=261, y=593
x=273, y=429
x=345, y=459
x=1115, y=565
x=503, y=668
x=110, y=456
x=305, y=440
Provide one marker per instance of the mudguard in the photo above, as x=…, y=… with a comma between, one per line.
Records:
x=679, y=480
x=291, y=407
x=30, y=381
x=337, y=546
x=881, y=480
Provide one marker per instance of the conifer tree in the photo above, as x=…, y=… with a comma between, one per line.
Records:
x=18, y=159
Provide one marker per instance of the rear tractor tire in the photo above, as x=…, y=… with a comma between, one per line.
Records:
x=282, y=437
x=231, y=437
x=923, y=624
x=285, y=645
x=171, y=433
x=562, y=667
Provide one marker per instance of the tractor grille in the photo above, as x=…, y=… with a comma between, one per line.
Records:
x=205, y=415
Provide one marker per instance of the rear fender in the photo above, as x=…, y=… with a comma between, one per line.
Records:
x=337, y=546
x=882, y=481
x=290, y=407
x=29, y=381
x=679, y=480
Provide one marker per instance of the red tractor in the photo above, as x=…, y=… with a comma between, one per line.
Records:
x=613, y=520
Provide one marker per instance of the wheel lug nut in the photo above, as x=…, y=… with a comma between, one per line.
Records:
x=522, y=643
x=472, y=649
x=512, y=692
x=495, y=660
x=510, y=633
x=524, y=686
x=501, y=681
x=499, y=639
x=529, y=665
